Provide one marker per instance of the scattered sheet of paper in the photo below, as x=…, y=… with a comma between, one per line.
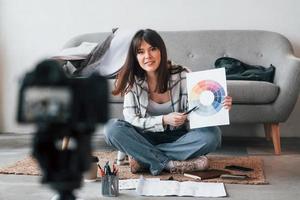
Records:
x=131, y=184
x=207, y=89
x=187, y=188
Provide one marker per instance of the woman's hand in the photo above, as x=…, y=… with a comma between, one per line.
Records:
x=227, y=103
x=174, y=119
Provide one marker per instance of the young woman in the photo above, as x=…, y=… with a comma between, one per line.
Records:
x=155, y=131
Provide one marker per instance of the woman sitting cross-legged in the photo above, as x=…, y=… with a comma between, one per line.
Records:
x=154, y=133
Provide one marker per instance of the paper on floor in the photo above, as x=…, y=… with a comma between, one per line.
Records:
x=130, y=184
x=187, y=188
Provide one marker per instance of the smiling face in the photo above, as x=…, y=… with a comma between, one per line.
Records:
x=148, y=57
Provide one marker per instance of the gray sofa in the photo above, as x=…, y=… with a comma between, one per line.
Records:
x=253, y=101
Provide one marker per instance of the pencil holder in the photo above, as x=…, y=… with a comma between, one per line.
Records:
x=110, y=185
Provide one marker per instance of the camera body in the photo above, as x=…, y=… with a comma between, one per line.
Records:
x=62, y=107
x=47, y=95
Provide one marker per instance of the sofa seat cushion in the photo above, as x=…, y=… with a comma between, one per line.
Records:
x=242, y=92
x=252, y=92
x=112, y=98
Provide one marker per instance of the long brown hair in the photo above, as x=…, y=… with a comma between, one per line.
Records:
x=132, y=69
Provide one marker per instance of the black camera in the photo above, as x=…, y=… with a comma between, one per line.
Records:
x=62, y=107
x=47, y=95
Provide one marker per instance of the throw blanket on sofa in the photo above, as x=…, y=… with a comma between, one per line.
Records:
x=108, y=57
x=237, y=70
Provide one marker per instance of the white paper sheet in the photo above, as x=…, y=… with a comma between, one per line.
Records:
x=207, y=89
x=187, y=188
x=131, y=184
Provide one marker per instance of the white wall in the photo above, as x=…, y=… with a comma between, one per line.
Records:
x=34, y=29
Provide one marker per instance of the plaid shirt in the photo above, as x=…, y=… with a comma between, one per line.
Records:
x=136, y=102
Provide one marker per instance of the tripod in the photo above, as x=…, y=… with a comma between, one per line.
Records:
x=62, y=168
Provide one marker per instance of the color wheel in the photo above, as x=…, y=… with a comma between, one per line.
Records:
x=209, y=95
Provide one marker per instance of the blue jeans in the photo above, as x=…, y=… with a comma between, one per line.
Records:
x=132, y=141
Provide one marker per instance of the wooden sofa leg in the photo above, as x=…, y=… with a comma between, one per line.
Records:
x=275, y=135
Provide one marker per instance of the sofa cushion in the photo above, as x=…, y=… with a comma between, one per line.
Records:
x=242, y=92
x=252, y=92
x=112, y=98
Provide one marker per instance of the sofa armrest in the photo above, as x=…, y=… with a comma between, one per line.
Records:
x=287, y=77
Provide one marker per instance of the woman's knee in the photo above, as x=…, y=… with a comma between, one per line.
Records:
x=213, y=138
x=112, y=129
x=116, y=129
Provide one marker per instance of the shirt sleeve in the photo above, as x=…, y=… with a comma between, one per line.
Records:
x=132, y=114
